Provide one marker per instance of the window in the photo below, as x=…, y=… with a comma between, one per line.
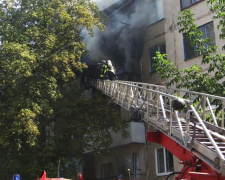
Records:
x=155, y=11
x=164, y=161
x=105, y=170
x=152, y=52
x=136, y=169
x=123, y=164
x=187, y=3
x=208, y=32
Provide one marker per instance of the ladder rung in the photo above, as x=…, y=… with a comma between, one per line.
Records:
x=205, y=140
x=221, y=148
x=218, y=143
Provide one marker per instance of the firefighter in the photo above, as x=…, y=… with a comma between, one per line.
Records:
x=111, y=70
x=104, y=70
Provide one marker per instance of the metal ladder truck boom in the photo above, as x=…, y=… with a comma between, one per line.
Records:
x=191, y=128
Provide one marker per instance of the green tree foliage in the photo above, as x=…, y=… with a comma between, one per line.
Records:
x=40, y=51
x=193, y=78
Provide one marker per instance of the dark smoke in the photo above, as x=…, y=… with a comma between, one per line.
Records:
x=122, y=40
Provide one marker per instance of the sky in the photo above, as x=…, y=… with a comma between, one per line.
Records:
x=104, y=3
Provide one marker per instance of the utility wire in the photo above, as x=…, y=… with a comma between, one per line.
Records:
x=117, y=10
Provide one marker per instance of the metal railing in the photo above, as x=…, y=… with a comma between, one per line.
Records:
x=155, y=103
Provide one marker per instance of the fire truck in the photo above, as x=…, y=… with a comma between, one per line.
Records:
x=43, y=176
x=188, y=124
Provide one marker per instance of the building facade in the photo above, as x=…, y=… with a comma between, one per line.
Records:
x=142, y=159
x=162, y=34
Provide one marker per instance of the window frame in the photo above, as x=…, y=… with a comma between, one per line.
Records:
x=204, y=36
x=156, y=5
x=165, y=162
x=105, y=170
x=151, y=61
x=135, y=165
x=191, y=4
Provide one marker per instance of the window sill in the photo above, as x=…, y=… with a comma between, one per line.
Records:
x=163, y=174
x=192, y=57
x=155, y=22
x=182, y=9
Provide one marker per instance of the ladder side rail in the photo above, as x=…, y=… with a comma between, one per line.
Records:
x=114, y=95
x=147, y=104
x=206, y=106
x=134, y=92
x=162, y=106
x=199, y=104
x=101, y=85
x=171, y=116
x=114, y=89
x=125, y=96
x=157, y=97
x=211, y=111
x=112, y=86
x=198, y=93
x=119, y=93
x=157, y=100
x=203, y=108
x=142, y=97
x=104, y=86
x=129, y=97
x=196, y=114
x=223, y=106
x=108, y=87
x=144, y=100
x=136, y=96
x=205, y=95
x=122, y=91
x=173, y=89
x=219, y=153
x=153, y=106
x=132, y=84
x=204, y=101
x=180, y=128
x=144, y=84
x=159, y=104
x=97, y=84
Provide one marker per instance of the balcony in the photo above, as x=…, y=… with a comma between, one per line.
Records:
x=137, y=135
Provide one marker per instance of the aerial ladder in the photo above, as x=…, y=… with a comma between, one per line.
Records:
x=188, y=124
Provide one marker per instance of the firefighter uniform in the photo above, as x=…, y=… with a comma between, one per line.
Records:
x=104, y=70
